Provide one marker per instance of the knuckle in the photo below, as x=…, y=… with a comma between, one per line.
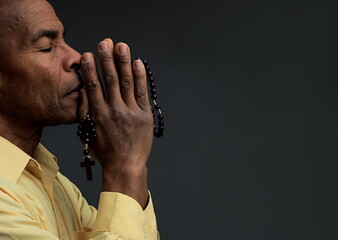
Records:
x=97, y=113
x=140, y=122
x=89, y=67
x=145, y=120
x=150, y=118
x=141, y=92
x=118, y=113
x=124, y=60
x=99, y=116
x=106, y=57
x=136, y=120
x=131, y=120
x=139, y=75
x=99, y=119
x=127, y=82
x=110, y=79
x=92, y=84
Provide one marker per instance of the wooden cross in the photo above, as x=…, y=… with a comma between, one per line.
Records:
x=88, y=163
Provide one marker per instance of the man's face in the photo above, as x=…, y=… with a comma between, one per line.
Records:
x=38, y=69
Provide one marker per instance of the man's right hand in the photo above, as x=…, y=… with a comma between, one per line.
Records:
x=123, y=120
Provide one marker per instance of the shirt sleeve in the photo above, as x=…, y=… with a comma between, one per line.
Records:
x=118, y=217
x=121, y=217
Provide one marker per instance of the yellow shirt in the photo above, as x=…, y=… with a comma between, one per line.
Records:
x=37, y=202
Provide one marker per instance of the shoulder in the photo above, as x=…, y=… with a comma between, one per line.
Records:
x=14, y=199
x=10, y=189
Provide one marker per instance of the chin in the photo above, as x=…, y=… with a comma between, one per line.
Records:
x=64, y=118
x=70, y=121
x=71, y=118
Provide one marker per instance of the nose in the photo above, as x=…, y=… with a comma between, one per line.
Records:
x=72, y=59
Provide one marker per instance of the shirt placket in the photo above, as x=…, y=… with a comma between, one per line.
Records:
x=48, y=177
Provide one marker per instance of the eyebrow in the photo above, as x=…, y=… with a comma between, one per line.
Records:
x=53, y=34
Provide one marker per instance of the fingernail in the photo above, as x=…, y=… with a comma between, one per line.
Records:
x=86, y=57
x=138, y=64
x=103, y=46
x=122, y=49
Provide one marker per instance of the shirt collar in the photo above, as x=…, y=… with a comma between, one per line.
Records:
x=13, y=160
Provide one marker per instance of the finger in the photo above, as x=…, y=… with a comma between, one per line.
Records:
x=91, y=82
x=141, y=92
x=110, y=76
x=122, y=55
x=83, y=108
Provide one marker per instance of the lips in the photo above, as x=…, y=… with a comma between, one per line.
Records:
x=75, y=89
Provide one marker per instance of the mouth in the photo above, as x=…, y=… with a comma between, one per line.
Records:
x=76, y=90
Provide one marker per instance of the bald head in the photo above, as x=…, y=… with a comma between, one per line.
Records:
x=12, y=19
x=4, y=13
x=7, y=2
x=9, y=18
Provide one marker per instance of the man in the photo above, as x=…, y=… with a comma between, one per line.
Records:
x=40, y=86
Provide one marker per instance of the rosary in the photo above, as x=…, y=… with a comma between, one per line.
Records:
x=87, y=132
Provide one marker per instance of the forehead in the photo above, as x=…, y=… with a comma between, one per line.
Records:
x=26, y=17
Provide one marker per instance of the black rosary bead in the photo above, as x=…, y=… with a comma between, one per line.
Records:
x=86, y=130
x=159, y=128
x=161, y=123
x=149, y=74
x=158, y=133
x=87, y=133
x=153, y=96
x=157, y=107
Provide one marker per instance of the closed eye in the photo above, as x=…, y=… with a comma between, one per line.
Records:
x=46, y=49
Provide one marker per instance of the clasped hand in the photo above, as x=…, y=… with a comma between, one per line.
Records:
x=123, y=120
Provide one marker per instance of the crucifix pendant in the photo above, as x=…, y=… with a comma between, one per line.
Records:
x=88, y=163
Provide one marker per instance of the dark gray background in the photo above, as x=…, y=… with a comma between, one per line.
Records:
x=250, y=94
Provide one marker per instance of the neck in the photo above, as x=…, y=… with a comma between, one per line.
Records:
x=26, y=138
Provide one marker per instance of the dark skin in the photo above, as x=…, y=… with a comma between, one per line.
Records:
x=125, y=114
x=39, y=86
